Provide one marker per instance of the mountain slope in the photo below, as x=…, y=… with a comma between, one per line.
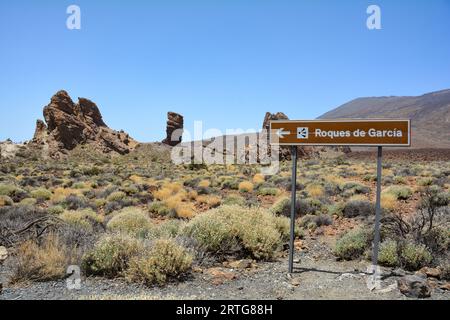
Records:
x=429, y=114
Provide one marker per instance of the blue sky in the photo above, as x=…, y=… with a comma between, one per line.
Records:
x=223, y=62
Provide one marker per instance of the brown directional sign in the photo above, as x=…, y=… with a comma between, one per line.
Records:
x=361, y=132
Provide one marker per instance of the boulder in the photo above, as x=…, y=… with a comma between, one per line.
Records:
x=431, y=272
x=68, y=124
x=174, y=129
x=414, y=287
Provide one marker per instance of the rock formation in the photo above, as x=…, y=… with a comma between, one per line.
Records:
x=70, y=124
x=174, y=130
x=303, y=152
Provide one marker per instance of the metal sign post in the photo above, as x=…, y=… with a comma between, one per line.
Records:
x=293, y=207
x=376, y=239
x=355, y=132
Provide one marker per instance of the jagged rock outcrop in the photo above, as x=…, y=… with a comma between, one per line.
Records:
x=68, y=124
x=174, y=130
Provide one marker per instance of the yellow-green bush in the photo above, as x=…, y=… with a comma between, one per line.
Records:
x=5, y=201
x=221, y=229
x=352, y=244
x=82, y=218
x=132, y=221
x=111, y=255
x=116, y=196
x=400, y=192
x=415, y=256
x=388, y=255
x=165, y=260
x=41, y=194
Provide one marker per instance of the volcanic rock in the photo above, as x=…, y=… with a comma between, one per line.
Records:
x=70, y=124
x=414, y=287
x=174, y=130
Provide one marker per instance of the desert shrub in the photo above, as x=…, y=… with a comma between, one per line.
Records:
x=204, y=183
x=164, y=261
x=118, y=205
x=400, y=192
x=388, y=254
x=315, y=190
x=41, y=194
x=358, y=208
x=437, y=239
x=388, y=201
x=426, y=181
x=230, y=183
x=355, y=187
x=131, y=221
x=229, y=227
x=234, y=200
x=7, y=189
x=192, y=182
x=116, y=196
x=161, y=209
x=74, y=202
x=169, y=229
x=55, y=210
x=399, y=180
x=111, y=255
x=312, y=222
x=282, y=207
x=28, y=202
x=258, y=178
x=415, y=256
x=211, y=201
x=44, y=262
x=5, y=201
x=268, y=191
x=86, y=218
x=370, y=177
x=302, y=206
x=352, y=244
x=245, y=186
x=336, y=208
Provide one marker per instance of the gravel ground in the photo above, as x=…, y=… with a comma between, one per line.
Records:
x=315, y=277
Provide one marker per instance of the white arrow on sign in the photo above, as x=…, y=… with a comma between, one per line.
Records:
x=281, y=133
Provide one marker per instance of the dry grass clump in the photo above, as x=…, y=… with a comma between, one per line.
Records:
x=45, y=262
x=204, y=183
x=258, y=178
x=165, y=260
x=132, y=221
x=59, y=194
x=209, y=200
x=315, y=190
x=245, y=187
x=388, y=201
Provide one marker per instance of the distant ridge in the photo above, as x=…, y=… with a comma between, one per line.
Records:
x=429, y=114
